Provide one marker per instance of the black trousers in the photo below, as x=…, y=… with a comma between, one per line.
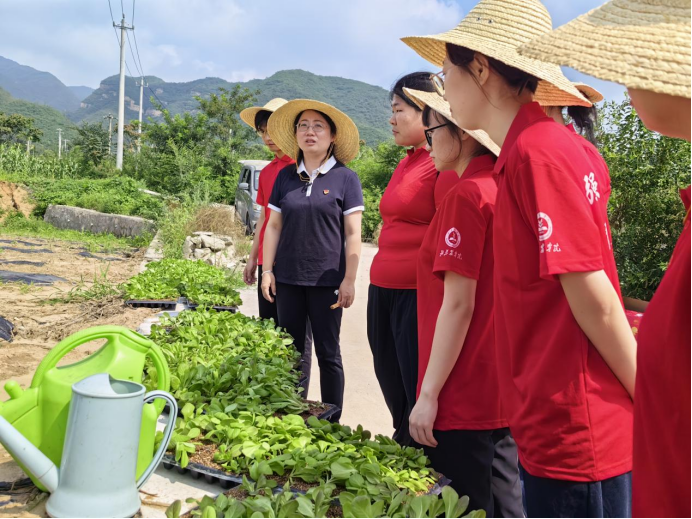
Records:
x=295, y=305
x=393, y=337
x=268, y=310
x=558, y=498
x=482, y=465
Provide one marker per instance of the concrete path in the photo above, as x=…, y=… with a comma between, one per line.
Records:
x=363, y=401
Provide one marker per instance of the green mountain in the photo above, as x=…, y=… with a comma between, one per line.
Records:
x=81, y=92
x=38, y=87
x=366, y=104
x=45, y=118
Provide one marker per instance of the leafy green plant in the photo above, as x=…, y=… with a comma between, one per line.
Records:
x=171, y=278
x=229, y=362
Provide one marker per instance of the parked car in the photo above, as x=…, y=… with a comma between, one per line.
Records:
x=246, y=193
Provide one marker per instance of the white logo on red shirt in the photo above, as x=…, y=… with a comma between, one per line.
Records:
x=453, y=238
x=591, y=187
x=545, y=226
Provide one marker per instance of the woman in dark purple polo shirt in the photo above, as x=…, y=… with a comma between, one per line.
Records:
x=312, y=240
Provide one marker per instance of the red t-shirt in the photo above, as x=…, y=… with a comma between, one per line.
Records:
x=661, y=474
x=460, y=240
x=569, y=414
x=407, y=207
x=266, y=184
x=446, y=182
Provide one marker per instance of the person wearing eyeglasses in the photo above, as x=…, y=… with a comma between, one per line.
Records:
x=458, y=416
x=407, y=206
x=313, y=238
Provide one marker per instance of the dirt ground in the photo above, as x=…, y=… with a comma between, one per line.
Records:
x=39, y=325
x=14, y=198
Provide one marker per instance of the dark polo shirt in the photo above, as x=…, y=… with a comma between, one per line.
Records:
x=311, y=249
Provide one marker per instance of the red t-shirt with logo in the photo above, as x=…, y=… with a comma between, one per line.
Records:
x=407, y=207
x=267, y=178
x=661, y=474
x=446, y=182
x=569, y=414
x=460, y=240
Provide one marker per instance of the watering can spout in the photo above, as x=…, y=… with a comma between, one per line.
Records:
x=33, y=459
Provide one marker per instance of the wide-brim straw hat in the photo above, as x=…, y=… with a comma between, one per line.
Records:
x=437, y=103
x=497, y=28
x=248, y=115
x=547, y=99
x=642, y=44
x=281, y=128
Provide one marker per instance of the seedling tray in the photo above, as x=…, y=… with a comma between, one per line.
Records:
x=218, y=308
x=151, y=303
x=197, y=471
x=330, y=411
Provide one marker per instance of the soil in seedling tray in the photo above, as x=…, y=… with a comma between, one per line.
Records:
x=151, y=303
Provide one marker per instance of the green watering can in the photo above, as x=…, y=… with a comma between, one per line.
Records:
x=40, y=413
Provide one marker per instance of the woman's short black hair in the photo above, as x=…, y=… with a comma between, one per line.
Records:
x=332, y=127
x=416, y=81
x=515, y=78
x=585, y=118
x=261, y=119
x=452, y=129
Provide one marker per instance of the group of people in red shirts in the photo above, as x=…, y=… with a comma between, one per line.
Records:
x=495, y=317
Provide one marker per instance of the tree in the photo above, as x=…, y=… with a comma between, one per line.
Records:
x=18, y=128
x=647, y=171
x=92, y=139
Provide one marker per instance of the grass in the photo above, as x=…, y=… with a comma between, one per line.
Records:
x=101, y=288
x=16, y=225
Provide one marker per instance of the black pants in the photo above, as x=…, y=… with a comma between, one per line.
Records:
x=296, y=304
x=393, y=337
x=267, y=310
x=482, y=465
x=558, y=498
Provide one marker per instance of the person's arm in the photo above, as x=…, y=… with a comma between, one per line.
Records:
x=352, y=229
x=453, y=323
x=250, y=272
x=271, y=243
x=596, y=307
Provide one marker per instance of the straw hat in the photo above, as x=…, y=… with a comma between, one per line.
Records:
x=546, y=98
x=497, y=28
x=248, y=115
x=437, y=103
x=281, y=128
x=643, y=44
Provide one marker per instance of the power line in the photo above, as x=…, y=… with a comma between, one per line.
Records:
x=122, y=7
x=117, y=38
x=133, y=14
x=134, y=60
x=137, y=50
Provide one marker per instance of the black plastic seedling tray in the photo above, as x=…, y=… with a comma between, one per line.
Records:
x=218, y=308
x=152, y=303
x=197, y=471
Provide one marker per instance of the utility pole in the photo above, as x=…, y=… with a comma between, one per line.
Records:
x=59, y=141
x=65, y=144
x=110, y=132
x=28, y=146
x=121, y=95
x=141, y=102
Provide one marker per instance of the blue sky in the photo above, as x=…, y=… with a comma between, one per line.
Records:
x=238, y=40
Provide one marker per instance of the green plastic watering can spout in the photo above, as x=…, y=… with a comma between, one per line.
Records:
x=33, y=459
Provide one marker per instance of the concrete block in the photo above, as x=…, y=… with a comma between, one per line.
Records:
x=78, y=219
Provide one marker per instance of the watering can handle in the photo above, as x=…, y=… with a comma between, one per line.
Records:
x=111, y=333
x=167, y=433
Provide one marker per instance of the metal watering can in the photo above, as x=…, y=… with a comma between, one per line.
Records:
x=96, y=477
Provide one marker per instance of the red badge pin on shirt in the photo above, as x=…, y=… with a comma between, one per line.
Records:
x=326, y=191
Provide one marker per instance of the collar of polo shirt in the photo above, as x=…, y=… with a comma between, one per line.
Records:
x=324, y=168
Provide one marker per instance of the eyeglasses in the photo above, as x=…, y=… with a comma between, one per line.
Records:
x=438, y=81
x=429, y=133
x=304, y=127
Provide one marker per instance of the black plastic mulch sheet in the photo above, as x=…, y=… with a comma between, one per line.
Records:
x=27, y=251
x=31, y=244
x=22, y=262
x=9, y=276
x=87, y=254
x=6, y=329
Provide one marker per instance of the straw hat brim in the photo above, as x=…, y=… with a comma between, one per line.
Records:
x=553, y=87
x=547, y=98
x=437, y=103
x=642, y=44
x=282, y=131
x=248, y=115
